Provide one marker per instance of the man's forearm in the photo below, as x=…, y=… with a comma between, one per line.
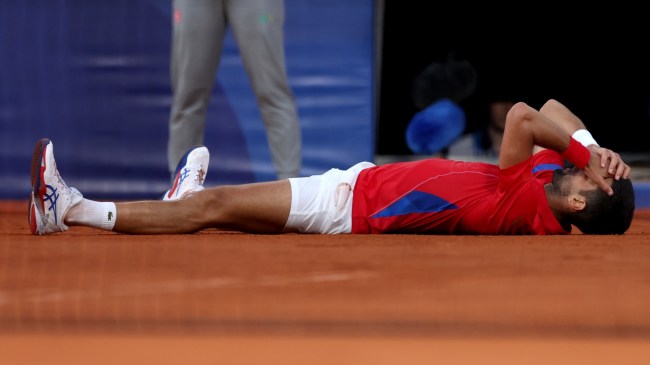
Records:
x=562, y=116
x=565, y=119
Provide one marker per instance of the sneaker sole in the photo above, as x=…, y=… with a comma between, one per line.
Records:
x=31, y=214
x=38, y=188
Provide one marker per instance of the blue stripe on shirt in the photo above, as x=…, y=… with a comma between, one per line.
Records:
x=546, y=167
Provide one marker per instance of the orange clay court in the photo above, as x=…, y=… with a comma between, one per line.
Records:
x=93, y=297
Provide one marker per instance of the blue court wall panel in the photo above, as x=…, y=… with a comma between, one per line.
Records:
x=93, y=76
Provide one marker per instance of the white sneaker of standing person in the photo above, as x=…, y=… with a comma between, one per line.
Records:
x=50, y=198
x=190, y=173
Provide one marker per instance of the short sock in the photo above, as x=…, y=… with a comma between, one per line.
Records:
x=92, y=213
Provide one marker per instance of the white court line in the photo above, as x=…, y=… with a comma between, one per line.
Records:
x=50, y=295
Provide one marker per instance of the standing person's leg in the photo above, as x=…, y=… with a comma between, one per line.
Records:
x=258, y=26
x=199, y=27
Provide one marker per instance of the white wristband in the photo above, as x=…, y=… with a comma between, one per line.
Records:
x=584, y=137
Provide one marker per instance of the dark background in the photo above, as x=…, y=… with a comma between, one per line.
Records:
x=594, y=61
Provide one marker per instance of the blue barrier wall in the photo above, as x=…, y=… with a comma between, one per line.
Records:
x=93, y=76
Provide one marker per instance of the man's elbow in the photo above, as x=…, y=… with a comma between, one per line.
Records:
x=520, y=112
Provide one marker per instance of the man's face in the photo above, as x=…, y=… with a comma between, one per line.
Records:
x=573, y=180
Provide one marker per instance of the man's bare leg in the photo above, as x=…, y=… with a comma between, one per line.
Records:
x=255, y=208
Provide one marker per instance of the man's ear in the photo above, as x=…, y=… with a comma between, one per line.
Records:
x=577, y=202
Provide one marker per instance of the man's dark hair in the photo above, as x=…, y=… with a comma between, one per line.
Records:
x=606, y=214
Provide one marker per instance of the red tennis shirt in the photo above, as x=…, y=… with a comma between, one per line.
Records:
x=441, y=196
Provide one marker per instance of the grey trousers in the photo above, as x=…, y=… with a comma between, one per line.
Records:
x=198, y=34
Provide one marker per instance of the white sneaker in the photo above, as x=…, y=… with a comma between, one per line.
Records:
x=190, y=173
x=50, y=198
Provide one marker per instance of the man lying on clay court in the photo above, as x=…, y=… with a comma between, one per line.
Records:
x=528, y=192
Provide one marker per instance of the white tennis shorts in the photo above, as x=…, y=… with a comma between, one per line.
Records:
x=323, y=203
